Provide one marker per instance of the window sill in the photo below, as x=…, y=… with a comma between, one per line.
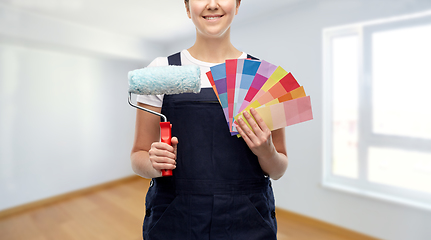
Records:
x=377, y=196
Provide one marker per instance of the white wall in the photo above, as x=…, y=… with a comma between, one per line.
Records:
x=21, y=26
x=65, y=123
x=292, y=38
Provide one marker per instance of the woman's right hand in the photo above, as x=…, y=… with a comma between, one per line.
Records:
x=163, y=156
x=149, y=156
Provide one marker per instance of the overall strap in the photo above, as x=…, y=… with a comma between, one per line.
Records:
x=251, y=57
x=175, y=59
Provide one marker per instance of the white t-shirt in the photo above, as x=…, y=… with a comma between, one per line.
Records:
x=186, y=59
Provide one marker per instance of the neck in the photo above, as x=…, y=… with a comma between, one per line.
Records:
x=214, y=50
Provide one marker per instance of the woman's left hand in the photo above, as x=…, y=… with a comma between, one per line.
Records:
x=258, y=138
x=269, y=147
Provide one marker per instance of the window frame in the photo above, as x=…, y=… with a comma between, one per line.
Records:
x=366, y=138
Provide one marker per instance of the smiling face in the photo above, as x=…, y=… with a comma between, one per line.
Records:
x=212, y=18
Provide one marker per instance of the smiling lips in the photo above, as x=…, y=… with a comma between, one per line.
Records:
x=212, y=17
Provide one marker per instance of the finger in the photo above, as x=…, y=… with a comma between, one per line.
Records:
x=241, y=132
x=162, y=159
x=255, y=130
x=174, y=142
x=259, y=120
x=166, y=157
x=162, y=146
x=163, y=166
x=252, y=122
x=246, y=130
x=161, y=152
x=241, y=124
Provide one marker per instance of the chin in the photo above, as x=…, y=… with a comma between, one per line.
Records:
x=215, y=34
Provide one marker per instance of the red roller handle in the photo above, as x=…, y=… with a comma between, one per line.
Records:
x=165, y=136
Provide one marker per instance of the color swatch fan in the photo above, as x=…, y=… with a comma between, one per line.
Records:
x=242, y=84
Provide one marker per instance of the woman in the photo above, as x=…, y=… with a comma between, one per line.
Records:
x=220, y=188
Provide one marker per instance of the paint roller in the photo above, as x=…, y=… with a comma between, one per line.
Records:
x=164, y=80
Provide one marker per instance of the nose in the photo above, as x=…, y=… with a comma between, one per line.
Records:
x=212, y=5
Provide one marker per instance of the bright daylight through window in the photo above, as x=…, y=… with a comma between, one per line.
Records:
x=377, y=104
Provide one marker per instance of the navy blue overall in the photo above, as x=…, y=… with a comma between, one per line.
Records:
x=218, y=190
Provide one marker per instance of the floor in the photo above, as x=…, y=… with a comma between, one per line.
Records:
x=121, y=207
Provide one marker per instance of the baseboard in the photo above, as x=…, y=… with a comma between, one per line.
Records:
x=348, y=234
x=63, y=197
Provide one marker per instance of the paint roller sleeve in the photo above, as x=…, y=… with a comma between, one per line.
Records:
x=165, y=80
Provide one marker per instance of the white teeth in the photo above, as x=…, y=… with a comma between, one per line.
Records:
x=210, y=18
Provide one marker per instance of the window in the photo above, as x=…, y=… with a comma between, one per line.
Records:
x=377, y=106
